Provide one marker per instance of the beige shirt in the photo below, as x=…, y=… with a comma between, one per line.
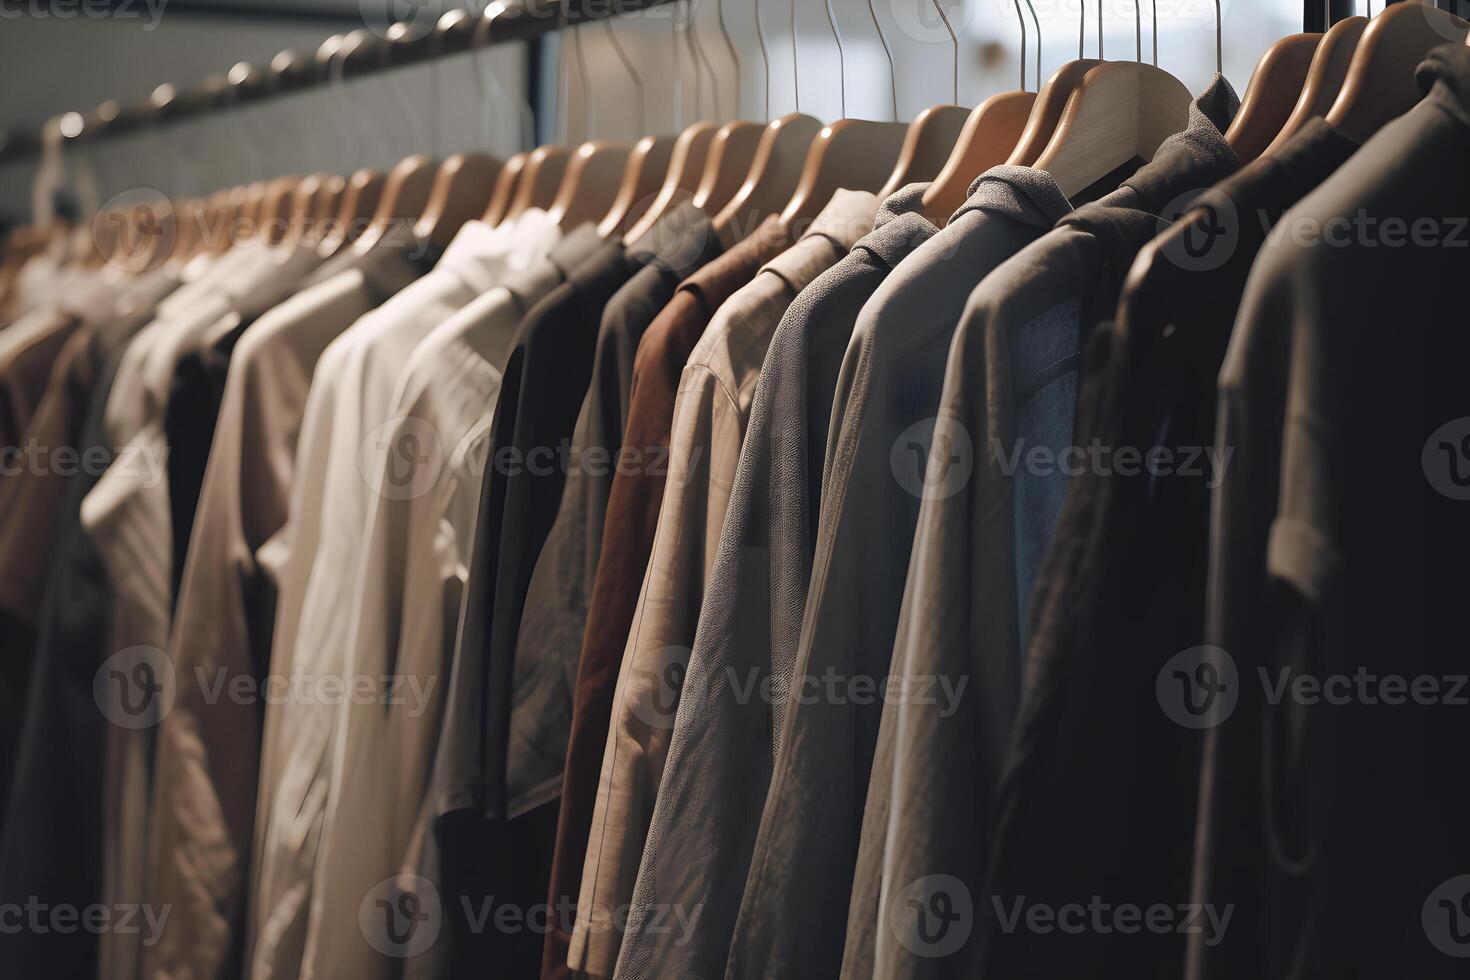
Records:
x=205, y=767
x=128, y=518
x=710, y=413
x=425, y=499
x=348, y=413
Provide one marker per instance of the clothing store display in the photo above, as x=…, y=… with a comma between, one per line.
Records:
x=559, y=596
x=811, y=585
x=312, y=637
x=758, y=588
x=607, y=773
x=682, y=852
x=205, y=779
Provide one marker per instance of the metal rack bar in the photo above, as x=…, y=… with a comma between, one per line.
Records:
x=364, y=52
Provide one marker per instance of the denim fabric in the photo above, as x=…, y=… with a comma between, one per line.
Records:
x=1044, y=359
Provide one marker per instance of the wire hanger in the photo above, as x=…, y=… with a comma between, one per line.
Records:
x=775, y=168
x=932, y=136
x=595, y=170
x=991, y=132
x=687, y=156
x=465, y=181
x=407, y=186
x=1122, y=111
x=648, y=162
x=1380, y=83
x=733, y=148
x=856, y=154
x=546, y=165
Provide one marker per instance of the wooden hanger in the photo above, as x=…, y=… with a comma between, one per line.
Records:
x=643, y=177
x=731, y=154
x=1121, y=111
x=303, y=205
x=406, y=191
x=775, y=170
x=505, y=187
x=540, y=181
x=927, y=146
x=851, y=153
x=1271, y=94
x=361, y=195
x=990, y=134
x=1046, y=112
x=1324, y=78
x=685, y=169
x=593, y=175
x=461, y=191
x=277, y=210
x=327, y=203
x=1380, y=83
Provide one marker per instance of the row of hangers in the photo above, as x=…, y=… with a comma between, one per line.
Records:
x=1090, y=117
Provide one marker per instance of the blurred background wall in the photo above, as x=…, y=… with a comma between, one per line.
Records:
x=649, y=72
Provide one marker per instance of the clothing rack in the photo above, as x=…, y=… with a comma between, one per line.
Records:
x=361, y=53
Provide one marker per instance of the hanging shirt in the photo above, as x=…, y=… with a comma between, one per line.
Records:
x=208, y=745
x=757, y=597
x=427, y=478
x=605, y=777
x=559, y=594
x=699, y=834
x=349, y=401
x=1332, y=809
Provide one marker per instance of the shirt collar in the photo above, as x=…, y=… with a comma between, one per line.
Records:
x=848, y=216
x=482, y=254
x=900, y=226
x=1022, y=194
x=680, y=241
x=1444, y=78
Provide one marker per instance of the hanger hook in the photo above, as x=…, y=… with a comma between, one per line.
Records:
x=734, y=58
x=887, y=51
x=1138, y=31
x=612, y=38
x=1020, y=19
x=1030, y=6
x=1219, y=42
x=760, y=36
x=841, y=55
x=955, y=44
x=698, y=56
x=479, y=41
x=1154, y=26
x=795, y=62
x=1081, y=28
x=1099, y=30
